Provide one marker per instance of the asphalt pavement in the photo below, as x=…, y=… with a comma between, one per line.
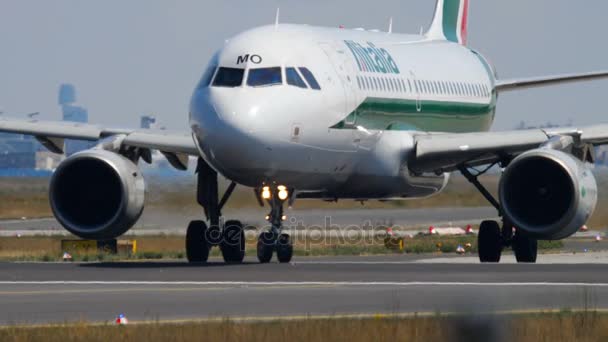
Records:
x=58, y=292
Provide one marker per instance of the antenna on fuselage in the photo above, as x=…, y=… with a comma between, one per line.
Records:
x=390, y=25
x=276, y=18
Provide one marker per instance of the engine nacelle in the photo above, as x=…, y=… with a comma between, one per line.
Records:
x=97, y=194
x=548, y=194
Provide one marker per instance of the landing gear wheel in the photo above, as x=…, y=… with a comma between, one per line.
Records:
x=197, y=247
x=284, y=249
x=233, y=242
x=525, y=248
x=266, y=243
x=214, y=235
x=489, y=242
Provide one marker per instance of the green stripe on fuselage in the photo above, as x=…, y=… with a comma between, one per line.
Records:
x=423, y=115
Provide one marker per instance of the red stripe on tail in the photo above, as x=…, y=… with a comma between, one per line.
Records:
x=465, y=18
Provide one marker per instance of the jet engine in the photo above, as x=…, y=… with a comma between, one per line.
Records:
x=548, y=194
x=97, y=194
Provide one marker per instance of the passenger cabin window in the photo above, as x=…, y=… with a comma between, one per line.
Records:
x=264, y=77
x=229, y=77
x=294, y=79
x=312, y=82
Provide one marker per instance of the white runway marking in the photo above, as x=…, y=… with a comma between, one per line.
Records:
x=301, y=283
x=353, y=262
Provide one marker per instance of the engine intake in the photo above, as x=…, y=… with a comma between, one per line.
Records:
x=97, y=194
x=548, y=194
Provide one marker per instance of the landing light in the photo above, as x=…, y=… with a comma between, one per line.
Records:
x=283, y=194
x=266, y=192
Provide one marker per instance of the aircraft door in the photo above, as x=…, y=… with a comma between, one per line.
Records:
x=351, y=86
x=345, y=70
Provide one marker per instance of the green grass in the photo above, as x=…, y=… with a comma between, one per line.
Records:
x=171, y=247
x=585, y=326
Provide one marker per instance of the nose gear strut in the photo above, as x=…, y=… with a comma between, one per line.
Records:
x=275, y=239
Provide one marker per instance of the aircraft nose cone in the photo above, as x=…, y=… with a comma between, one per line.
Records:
x=225, y=125
x=235, y=110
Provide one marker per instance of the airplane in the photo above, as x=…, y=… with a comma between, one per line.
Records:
x=304, y=112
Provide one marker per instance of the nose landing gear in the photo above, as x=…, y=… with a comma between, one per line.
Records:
x=275, y=239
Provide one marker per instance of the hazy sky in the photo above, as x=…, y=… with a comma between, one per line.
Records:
x=130, y=57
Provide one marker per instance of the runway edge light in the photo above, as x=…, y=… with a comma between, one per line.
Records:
x=122, y=319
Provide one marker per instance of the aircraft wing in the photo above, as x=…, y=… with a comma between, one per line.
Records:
x=533, y=82
x=437, y=152
x=52, y=134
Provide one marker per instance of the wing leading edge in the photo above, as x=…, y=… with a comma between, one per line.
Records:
x=52, y=133
x=436, y=152
x=533, y=82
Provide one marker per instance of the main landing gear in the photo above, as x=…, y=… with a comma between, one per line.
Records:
x=274, y=239
x=202, y=236
x=494, y=237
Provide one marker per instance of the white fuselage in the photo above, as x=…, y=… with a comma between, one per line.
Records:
x=256, y=124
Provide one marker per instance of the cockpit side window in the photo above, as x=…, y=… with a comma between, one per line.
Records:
x=264, y=77
x=312, y=82
x=229, y=77
x=207, y=76
x=294, y=79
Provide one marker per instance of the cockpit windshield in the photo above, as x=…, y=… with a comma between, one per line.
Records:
x=294, y=79
x=229, y=77
x=264, y=77
x=310, y=78
x=207, y=76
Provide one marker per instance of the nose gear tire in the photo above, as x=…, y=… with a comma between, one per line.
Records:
x=266, y=243
x=284, y=249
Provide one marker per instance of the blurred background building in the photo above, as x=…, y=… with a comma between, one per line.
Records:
x=147, y=122
x=22, y=155
x=17, y=151
x=602, y=155
x=74, y=113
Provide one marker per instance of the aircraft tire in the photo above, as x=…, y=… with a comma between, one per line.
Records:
x=233, y=242
x=284, y=249
x=489, y=242
x=197, y=247
x=265, y=247
x=525, y=248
